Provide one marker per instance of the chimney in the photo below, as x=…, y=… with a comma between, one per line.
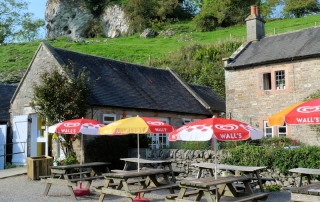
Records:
x=255, y=25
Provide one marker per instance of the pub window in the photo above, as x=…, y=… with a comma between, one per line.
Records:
x=267, y=81
x=280, y=80
x=282, y=130
x=108, y=118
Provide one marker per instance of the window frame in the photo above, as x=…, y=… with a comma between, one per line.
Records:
x=265, y=127
x=108, y=115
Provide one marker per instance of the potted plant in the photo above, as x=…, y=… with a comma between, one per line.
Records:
x=282, y=84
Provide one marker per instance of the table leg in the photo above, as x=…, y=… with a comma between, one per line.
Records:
x=208, y=195
x=173, y=177
x=199, y=195
x=182, y=192
x=211, y=172
x=46, y=191
x=70, y=187
x=88, y=184
x=259, y=180
x=199, y=173
x=125, y=166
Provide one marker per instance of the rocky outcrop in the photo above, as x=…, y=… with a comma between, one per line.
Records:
x=114, y=22
x=70, y=18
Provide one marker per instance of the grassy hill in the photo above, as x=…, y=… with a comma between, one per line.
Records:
x=15, y=58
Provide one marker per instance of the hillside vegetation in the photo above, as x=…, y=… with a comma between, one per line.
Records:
x=157, y=51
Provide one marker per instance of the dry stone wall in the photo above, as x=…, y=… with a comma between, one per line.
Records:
x=183, y=160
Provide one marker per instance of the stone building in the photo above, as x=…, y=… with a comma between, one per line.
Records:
x=120, y=90
x=268, y=74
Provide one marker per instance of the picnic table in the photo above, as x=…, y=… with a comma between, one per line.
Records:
x=310, y=192
x=251, y=171
x=203, y=187
x=119, y=183
x=151, y=163
x=305, y=172
x=70, y=175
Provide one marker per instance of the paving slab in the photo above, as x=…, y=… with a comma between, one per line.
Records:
x=13, y=172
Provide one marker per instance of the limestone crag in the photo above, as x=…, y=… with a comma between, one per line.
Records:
x=70, y=18
x=114, y=22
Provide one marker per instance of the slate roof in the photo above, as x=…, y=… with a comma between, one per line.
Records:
x=6, y=93
x=127, y=85
x=279, y=48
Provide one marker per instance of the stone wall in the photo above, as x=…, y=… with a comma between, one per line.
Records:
x=183, y=160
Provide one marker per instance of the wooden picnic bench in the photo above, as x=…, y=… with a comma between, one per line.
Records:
x=204, y=187
x=148, y=184
x=152, y=164
x=69, y=175
x=251, y=171
x=310, y=192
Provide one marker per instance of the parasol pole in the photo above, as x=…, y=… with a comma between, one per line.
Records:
x=138, y=153
x=215, y=164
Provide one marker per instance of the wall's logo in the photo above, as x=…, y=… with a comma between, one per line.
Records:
x=69, y=125
x=308, y=109
x=155, y=123
x=226, y=126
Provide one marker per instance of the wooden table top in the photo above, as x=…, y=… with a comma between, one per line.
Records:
x=306, y=171
x=211, y=181
x=146, y=161
x=132, y=174
x=229, y=167
x=83, y=165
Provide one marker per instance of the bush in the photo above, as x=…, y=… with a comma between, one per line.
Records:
x=205, y=22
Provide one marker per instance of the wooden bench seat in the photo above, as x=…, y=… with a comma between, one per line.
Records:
x=264, y=179
x=48, y=176
x=241, y=187
x=166, y=186
x=79, y=173
x=253, y=197
x=188, y=193
x=86, y=178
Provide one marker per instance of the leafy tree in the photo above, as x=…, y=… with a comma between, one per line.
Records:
x=12, y=17
x=30, y=29
x=62, y=96
x=300, y=8
x=226, y=12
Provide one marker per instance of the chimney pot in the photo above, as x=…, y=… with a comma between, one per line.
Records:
x=253, y=10
x=257, y=11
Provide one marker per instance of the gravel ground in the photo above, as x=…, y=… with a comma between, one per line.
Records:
x=21, y=189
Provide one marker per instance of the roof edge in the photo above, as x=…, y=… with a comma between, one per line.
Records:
x=272, y=62
x=192, y=92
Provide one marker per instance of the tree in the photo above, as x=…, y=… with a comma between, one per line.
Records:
x=12, y=17
x=224, y=12
x=62, y=96
x=30, y=29
x=300, y=8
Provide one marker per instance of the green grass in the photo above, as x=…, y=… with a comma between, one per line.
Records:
x=15, y=58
